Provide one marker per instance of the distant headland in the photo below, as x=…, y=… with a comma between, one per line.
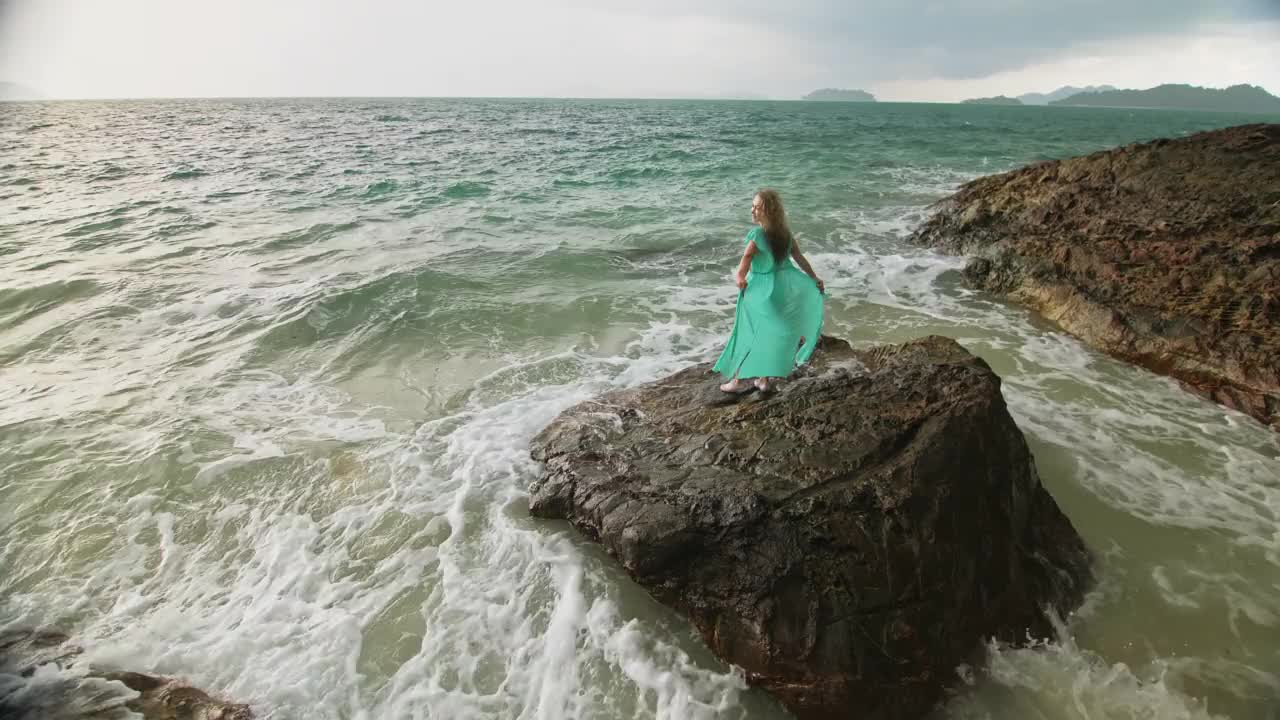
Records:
x=839, y=95
x=1237, y=98
x=1061, y=93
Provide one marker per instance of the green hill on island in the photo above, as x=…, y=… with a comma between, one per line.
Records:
x=997, y=100
x=838, y=95
x=1065, y=91
x=1237, y=98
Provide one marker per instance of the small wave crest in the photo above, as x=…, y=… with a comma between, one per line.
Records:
x=1061, y=681
x=458, y=191
x=185, y=174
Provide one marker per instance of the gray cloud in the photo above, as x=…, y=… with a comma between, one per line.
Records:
x=88, y=48
x=987, y=37
x=880, y=40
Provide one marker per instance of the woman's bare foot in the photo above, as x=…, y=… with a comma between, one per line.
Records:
x=763, y=385
x=735, y=386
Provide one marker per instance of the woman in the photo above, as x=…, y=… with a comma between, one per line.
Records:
x=779, y=313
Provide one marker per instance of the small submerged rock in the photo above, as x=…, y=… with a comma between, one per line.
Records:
x=849, y=541
x=39, y=680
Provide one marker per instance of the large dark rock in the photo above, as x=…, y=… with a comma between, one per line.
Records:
x=1166, y=254
x=34, y=686
x=848, y=541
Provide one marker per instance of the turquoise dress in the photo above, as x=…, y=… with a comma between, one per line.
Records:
x=778, y=319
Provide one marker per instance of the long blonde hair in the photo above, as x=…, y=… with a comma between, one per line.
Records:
x=773, y=221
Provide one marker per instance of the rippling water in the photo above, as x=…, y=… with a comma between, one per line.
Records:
x=269, y=370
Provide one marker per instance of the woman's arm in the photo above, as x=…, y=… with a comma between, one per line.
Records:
x=803, y=262
x=740, y=276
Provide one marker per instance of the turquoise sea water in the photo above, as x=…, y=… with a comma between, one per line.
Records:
x=269, y=370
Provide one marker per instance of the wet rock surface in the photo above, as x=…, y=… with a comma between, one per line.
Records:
x=1165, y=254
x=848, y=541
x=40, y=680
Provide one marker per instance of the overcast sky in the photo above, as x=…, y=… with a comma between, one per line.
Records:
x=940, y=50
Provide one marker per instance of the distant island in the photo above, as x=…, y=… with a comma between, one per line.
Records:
x=1237, y=98
x=835, y=95
x=997, y=100
x=1061, y=93
x=14, y=91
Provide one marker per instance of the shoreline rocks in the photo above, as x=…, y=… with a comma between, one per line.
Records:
x=37, y=683
x=1165, y=254
x=848, y=541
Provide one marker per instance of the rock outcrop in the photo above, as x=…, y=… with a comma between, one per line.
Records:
x=35, y=685
x=1166, y=254
x=848, y=541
